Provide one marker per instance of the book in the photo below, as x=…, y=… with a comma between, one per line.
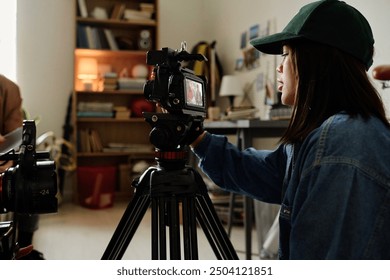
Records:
x=95, y=140
x=120, y=108
x=95, y=106
x=82, y=8
x=83, y=141
x=122, y=115
x=122, y=112
x=111, y=40
x=103, y=39
x=90, y=37
x=110, y=75
x=131, y=83
x=95, y=38
x=117, y=11
x=136, y=14
x=82, y=41
x=148, y=7
x=95, y=114
x=110, y=80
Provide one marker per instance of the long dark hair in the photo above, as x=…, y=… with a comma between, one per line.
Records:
x=328, y=81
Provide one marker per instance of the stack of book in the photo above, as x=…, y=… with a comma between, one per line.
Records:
x=122, y=112
x=147, y=7
x=110, y=81
x=131, y=83
x=145, y=13
x=95, y=110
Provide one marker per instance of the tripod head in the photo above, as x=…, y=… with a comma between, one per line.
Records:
x=170, y=135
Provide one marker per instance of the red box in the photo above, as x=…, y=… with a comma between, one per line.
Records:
x=96, y=186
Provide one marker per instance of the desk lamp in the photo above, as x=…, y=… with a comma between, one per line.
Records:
x=231, y=87
x=87, y=72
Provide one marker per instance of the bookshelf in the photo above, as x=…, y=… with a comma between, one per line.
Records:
x=112, y=38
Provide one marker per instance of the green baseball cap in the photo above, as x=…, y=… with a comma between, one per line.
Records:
x=329, y=22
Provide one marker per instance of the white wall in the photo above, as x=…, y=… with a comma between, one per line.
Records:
x=46, y=41
x=181, y=20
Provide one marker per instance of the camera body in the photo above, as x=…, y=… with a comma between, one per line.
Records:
x=28, y=187
x=176, y=88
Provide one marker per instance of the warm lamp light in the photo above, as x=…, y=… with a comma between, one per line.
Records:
x=231, y=87
x=87, y=72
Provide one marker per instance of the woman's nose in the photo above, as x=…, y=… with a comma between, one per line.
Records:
x=279, y=69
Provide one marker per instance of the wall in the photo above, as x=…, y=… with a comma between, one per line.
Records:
x=46, y=40
x=181, y=20
x=45, y=43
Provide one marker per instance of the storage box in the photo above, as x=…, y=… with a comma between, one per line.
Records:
x=96, y=186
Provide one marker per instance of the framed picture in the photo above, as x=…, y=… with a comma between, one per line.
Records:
x=254, y=31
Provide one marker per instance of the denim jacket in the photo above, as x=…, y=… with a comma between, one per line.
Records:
x=334, y=188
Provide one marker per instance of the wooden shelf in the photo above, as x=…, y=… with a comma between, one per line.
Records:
x=133, y=155
x=110, y=92
x=103, y=53
x=110, y=120
x=113, y=23
x=115, y=45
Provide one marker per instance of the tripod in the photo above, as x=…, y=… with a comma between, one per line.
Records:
x=166, y=187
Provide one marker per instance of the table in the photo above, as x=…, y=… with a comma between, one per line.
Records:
x=246, y=131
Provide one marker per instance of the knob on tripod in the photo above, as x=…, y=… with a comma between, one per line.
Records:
x=172, y=189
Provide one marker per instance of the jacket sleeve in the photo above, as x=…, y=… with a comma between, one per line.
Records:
x=256, y=173
x=11, y=106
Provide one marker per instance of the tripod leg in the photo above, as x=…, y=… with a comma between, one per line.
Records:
x=165, y=212
x=189, y=229
x=127, y=227
x=158, y=230
x=174, y=228
x=214, y=230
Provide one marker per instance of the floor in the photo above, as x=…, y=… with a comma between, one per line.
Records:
x=78, y=233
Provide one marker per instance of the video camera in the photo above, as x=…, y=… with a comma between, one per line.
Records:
x=29, y=187
x=176, y=88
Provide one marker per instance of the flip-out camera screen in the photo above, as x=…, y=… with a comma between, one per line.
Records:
x=194, y=93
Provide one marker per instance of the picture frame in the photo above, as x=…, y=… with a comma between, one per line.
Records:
x=254, y=31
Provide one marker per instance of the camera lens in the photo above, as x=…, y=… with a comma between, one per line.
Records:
x=6, y=190
x=33, y=192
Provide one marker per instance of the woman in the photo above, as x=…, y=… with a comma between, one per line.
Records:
x=331, y=173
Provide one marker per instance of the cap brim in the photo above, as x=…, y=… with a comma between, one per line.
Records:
x=273, y=44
